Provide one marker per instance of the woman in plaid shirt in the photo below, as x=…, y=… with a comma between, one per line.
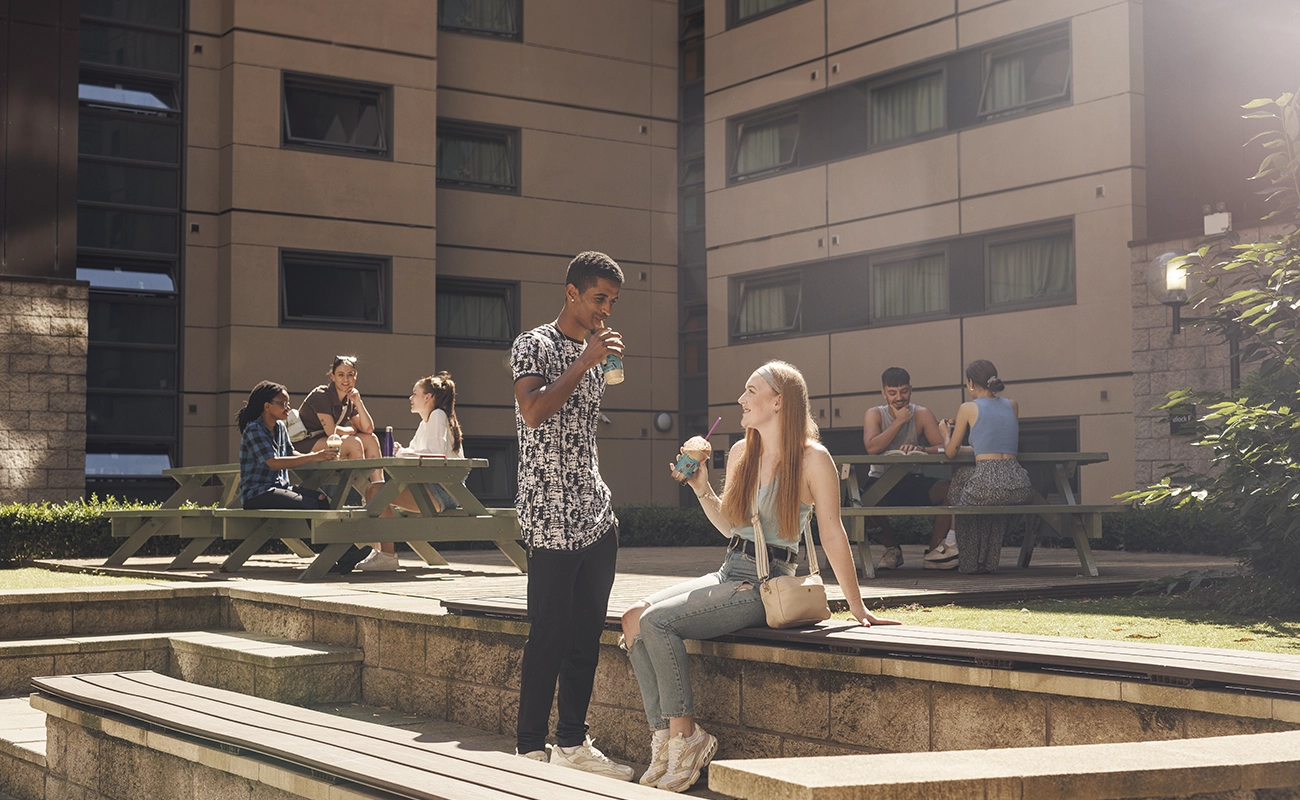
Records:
x=266, y=456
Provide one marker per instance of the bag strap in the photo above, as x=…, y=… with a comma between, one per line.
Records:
x=760, y=550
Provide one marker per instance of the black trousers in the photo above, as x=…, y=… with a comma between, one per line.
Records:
x=568, y=596
x=295, y=498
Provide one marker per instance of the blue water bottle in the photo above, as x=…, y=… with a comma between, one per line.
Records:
x=386, y=443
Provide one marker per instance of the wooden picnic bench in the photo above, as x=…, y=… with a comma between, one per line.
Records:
x=1080, y=522
x=317, y=745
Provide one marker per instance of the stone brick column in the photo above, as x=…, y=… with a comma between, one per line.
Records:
x=1164, y=361
x=43, y=334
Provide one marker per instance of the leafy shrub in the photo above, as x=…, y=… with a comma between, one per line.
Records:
x=664, y=526
x=67, y=530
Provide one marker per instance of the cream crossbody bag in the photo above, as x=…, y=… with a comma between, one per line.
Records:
x=790, y=600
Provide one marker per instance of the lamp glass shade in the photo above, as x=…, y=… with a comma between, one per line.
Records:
x=1176, y=278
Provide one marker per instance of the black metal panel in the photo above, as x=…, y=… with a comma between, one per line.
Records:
x=37, y=12
x=966, y=276
x=66, y=205
x=965, y=79
x=836, y=296
x=32, y=153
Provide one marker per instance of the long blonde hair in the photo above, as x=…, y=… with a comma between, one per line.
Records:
x=797, y=430
x=443, y=389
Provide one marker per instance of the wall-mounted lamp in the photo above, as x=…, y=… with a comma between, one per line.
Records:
x=663, y=422
x=1167, y=280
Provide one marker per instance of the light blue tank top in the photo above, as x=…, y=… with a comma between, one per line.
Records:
x=767, y=517
x=997, y=430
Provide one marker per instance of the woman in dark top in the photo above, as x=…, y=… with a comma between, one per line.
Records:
x=266, y=456
x=336, y=407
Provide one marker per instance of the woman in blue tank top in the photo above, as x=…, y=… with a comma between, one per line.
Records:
x=781, y=472
x=997, y=479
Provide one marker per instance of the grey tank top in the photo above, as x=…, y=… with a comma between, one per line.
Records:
x=996, y=430
x=767, y=518
x=905, y=435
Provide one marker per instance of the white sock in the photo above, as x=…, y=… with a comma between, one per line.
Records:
x=951, y=539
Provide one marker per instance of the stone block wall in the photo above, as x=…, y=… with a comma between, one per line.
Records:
x=43, y=337
x=1164, y=361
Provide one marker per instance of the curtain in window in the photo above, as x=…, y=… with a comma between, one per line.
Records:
x=748, y=8
x=497, y=16
x=907, y=109
x=1031, y=269
x=914, y=286
x=765, y=146
x=1006, y=83
x=474, y=160
x=473, y=316
x=768, y=308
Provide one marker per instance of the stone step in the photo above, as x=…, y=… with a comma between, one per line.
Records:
x=300, y=673
x=22, y=750
x=24, y=659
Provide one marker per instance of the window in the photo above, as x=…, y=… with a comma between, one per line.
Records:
x=156, y=13
x=909, y=287
x=477, y=312
x=115, y=46
x=907, y=109
x=692, y=194
x=126, y=94
x=766, y=145
x=1031, y=270
x=1026, y=74
x=496, y=484
x=745, y=10
x=336, y=115
x=482, y=17
x=768, y=305
x=478, y=157
x=327, y=289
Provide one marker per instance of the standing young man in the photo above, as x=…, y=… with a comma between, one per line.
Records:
x=565, y=513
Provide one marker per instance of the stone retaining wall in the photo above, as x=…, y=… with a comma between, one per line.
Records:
x=43, y=337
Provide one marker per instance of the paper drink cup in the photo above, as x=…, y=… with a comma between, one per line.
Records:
x=694, y=453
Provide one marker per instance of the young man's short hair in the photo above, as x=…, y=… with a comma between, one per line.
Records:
x=895, y=376
x=588, y=266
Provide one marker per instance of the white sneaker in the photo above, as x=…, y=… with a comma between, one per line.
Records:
x=378, y=561
x=942, y=557
x=891, y=559
x=535, y=755
x=687, y=755
x=588, y=759
x=658, y=758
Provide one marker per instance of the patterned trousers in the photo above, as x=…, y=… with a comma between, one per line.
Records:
x=995, y=482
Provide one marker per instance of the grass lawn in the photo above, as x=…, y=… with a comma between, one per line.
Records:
x=33, y=578
x=1145, y=618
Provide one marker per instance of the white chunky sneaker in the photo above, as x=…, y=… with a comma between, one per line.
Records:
x=535, y=755
x=658, y=758
x=942, y=557
x=588, y=759
x=891, y=559
x=378, y=561
x=687, y=755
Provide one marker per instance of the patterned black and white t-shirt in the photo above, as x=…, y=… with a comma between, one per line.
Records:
x=563, y=502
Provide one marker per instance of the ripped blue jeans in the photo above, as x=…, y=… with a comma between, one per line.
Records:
x=712, y=605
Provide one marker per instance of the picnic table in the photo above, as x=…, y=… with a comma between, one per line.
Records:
x=336, y=528
x=1069, y=517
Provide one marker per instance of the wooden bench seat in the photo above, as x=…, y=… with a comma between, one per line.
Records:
x=362, y=753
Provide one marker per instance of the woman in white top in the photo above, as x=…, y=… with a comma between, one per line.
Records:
x=434, y=399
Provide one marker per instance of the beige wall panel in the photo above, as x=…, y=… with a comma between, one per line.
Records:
x=627, y=467
x=929, y=351
x=728, y=372
x=405, y=26
x=969, y=5
x=212, y=56
x=309, y=233
x=899, y=178
x=664, y=93
x=200, y=354
x=791, y=248
x=476, y=421
x=768, y=90
x=1001, y=19
x=199, y=443
x=790, y=202
x=414, y=295
x=475, y=219
x=632, y=318
x=503, y=265
x=539, y=304
x=254, y=108
x=894, y=52
x=715, y=17
x=1138, y=131
x=665, y=22
x=1076, y=140
x=919, y=225
x=663, y=238
x=611, y=28
x=386, y=361
x=715, y=156
x=1102, y=279
x=415, y=124
x=1048, y=201
x=581, y=169
x=328, y=185
x=251, y=282
x=529, y=115
x=635, y=390
x=318, y=58
x=479, y=64
x=1102, y=42
x=202, y=180
x=663, y=181
x=850, y=22
x=1075, y=398
x=206, y=234
x=482, y=375
x=664, y=385
x=1066, y=340
x=783, y=39
x=663, y=490
x=209, y=16
x=201, y=287
x=203, y=110
x=853, y=408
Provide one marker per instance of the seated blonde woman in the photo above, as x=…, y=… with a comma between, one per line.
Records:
x=434, y=399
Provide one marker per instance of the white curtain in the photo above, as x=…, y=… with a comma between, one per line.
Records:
x=497, y=16
x=471, y=316
x=474, y=160
x=765, y=146
x=1006, y=83
x=765, y=309
x=907, y=109
x=914, y=286
x=1031, y=269
x=748, y=8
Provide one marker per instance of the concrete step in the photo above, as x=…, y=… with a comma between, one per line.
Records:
x=21, y=660
x=300, y=673
x=22, y=751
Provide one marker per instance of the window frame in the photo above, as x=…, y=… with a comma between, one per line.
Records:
x=1026, y=234
x=760, y=119
x=1061, y=34
x=517, y=36
x=382, y=92
x=925, y=70
x=384, y=266
x=743, y=283
x=909, y=254
x=508, y=290
x=514, y=145
x=733, y=12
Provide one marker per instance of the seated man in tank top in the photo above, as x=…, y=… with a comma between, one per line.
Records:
x=902, y=425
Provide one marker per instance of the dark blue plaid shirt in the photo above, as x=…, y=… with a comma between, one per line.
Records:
x=258, y=446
